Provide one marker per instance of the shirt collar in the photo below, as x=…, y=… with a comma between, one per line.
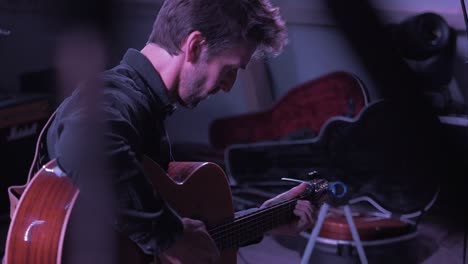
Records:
x=145, y=69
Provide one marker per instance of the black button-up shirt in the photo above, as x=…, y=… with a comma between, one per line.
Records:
x=135, y=104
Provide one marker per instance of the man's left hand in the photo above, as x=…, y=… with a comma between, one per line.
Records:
x=304, y=210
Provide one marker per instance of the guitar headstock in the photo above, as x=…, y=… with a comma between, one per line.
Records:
x=320, y=190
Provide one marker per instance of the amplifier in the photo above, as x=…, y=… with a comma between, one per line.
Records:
x=21, y=120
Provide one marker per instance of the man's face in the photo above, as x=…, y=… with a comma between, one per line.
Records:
x=209, y=75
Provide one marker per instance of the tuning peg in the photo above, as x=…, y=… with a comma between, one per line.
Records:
x=296, y=180
x=310, y=183
x=312, y=174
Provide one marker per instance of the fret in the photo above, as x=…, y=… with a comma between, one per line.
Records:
x=244, y=229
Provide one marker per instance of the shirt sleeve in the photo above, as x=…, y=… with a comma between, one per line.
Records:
x=140, y=213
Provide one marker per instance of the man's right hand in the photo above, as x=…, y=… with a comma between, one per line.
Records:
x=195, y=246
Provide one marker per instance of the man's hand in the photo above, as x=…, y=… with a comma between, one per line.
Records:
x=195, y=246
x=304, y=211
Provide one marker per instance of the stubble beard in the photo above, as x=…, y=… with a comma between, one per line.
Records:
x=193, y=82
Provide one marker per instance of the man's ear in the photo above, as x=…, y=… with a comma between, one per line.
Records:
x=193, y=46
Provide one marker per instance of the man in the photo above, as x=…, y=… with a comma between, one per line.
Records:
x=195, y=50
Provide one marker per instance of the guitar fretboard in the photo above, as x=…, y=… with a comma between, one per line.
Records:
x=252, y=226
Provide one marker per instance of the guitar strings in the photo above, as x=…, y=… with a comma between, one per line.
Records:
x=238, y=231
x=245, y=224
x=245, y=220
x=251, y=216
x=231, y=237
x=249, y=223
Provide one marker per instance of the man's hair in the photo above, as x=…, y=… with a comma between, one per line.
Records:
x=223, y=23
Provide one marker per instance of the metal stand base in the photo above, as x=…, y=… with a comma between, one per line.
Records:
x=318, y=226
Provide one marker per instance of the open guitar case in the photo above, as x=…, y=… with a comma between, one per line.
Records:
x=329, y=126
x=371, y=153
x=262, y=147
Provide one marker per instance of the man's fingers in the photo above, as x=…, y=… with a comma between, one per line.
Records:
x=193, y=224
x=306, y=205
x=286, y=195
x=211, y=250
x=305, y=211
x=305, y=217
x=293, y=192
x=204, y=243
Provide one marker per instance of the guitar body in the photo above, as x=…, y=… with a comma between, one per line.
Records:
x=38, y=229
x=197, y=190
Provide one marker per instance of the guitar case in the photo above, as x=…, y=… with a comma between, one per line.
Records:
x=379, y=153
x=301, y=112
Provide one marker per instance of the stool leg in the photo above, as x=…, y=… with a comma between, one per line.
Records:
x=315, y=232
x=354, y=233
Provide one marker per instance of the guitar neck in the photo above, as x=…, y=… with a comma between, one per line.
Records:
x=247, y=228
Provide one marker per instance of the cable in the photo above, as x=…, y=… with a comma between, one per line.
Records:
x=171, y=158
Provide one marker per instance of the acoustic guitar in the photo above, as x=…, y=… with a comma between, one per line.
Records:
x=38, y=230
